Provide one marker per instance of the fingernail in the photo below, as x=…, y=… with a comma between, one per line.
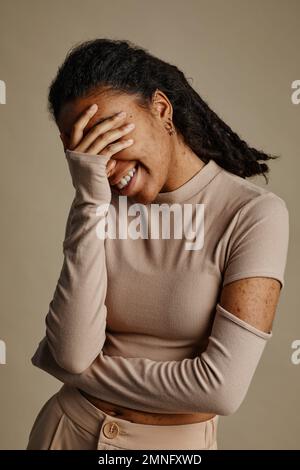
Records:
x=121, y=114
x=112, y=164
x=93, y=107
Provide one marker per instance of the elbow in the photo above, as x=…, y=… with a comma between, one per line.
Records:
x=227, y=409
x=73, y=365
x=227, y=403
x=73, y=356
x=74, y=362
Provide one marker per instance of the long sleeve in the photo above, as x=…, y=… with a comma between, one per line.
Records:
x=216, y=381
x=218, y=378
x=76, y=321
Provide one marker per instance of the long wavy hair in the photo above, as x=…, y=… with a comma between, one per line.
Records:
x=125, y=67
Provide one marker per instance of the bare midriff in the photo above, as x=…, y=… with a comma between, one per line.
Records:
x=142, y=417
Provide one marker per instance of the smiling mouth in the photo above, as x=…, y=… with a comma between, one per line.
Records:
x=124, y=181
x=124, y=189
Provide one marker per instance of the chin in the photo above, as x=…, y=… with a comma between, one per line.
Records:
x=139, y=198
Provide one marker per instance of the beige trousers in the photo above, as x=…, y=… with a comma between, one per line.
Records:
x=68, y=421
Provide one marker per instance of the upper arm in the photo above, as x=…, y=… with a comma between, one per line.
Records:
x=253, y=300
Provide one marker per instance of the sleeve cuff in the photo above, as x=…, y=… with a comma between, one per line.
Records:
x=225, y=313
x=87, y=157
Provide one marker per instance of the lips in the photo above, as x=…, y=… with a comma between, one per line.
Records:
x=124, y=191
x=117, y=177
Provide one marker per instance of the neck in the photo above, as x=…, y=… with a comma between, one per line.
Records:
x=184, y=165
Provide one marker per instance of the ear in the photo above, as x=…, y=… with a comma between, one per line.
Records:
x=162, y=107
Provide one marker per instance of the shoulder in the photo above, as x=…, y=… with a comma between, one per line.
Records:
x=241, y=196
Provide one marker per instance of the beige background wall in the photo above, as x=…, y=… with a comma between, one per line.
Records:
x=243, y=56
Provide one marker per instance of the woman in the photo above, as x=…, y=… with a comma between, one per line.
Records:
x=154, y=335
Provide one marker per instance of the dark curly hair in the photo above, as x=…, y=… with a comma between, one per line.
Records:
x=122, y=66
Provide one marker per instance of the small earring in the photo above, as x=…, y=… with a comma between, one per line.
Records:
x=170, y=128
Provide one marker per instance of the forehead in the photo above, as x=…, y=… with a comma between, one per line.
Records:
x=109, y=103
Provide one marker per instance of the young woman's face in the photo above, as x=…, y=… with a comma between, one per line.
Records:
x=152, y=149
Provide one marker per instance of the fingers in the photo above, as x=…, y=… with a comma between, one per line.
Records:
x=108, y=145
x=100, y=140
x=78, y=127
x=110, y=166
x=115, y=147
x=82, y=143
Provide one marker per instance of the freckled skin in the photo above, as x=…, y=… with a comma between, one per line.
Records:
x=166, y=161
x=254, y=300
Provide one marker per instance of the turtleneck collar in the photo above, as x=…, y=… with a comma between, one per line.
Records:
x=192, y=186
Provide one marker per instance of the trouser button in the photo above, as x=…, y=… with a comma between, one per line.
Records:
x=110, y=430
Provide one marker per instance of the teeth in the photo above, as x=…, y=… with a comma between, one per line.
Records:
x=125, y=179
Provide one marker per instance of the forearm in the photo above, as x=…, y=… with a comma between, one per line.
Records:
x=76, y=321
x=216, y=381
